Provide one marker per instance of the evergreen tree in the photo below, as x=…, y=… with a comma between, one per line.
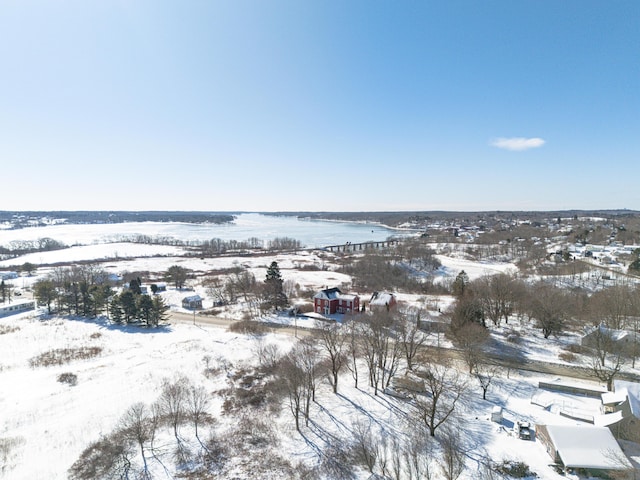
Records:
x=145, y=308
x=158, y=311
x=274, y=293
x=460, y=284
x=129, y=305
x=115, y=308
x=134, y=286
x=45, y=293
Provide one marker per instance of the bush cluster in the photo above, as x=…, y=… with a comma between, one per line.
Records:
x=61, y=356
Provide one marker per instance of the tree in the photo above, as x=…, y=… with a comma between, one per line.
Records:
x=333, y=341
x=28, y=268
x=115, y=309
x=134, y=286
x=460, y=284
x=145, y=309
x=294, y=382
x=381, y=350
x=45, y=293
x=444, y=388
x=129, y=305
x=177, y=275
x=470, y=339
x=607, y=358
x=467, y=310
x=498, y=295
x=549, y=307
x=274, y=293
x=485, y=374
x=452, y=460
x=109, y=457
x=197, y=406
x=136, y=426
x=158, y=311
x=410, y=336
x=173, y=402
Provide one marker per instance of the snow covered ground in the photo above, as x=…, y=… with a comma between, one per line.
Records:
x=50, y=423
x=45, y=424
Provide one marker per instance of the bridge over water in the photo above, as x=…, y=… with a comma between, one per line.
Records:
x=354, y=247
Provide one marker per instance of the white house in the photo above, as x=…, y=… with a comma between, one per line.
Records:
x=583, y=446
x=14, y=308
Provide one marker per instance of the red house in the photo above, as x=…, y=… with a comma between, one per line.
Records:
x=332, y=300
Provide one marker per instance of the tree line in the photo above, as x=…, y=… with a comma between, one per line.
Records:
x=85, y=290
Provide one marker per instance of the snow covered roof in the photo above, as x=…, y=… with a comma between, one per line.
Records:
x=192, y=298
x=381, y=299
x=632, y=391
x=610, y=398
x=581, y=446
x=607, y=419
x=328, y=293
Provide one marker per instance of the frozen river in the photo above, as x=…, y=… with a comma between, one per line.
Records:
x=311, y=233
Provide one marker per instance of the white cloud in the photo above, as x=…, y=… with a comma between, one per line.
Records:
x=517, y=143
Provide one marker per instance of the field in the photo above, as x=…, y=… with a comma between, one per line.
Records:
x=72, y=382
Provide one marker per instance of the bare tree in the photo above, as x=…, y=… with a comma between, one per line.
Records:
x=485, y=374
x=136, y=426
x=173, y=402
x=381, y=350
x=607, y=358
x=333, y=340
x=198, y=406
x=418, y=455
x=548, y=307
x=410, y=336
x=498, y=294
x=364, y=448
x=353, y=349
x=470, y=338
x=452, y=460
x=299, y=370
x=294, y=382
x=444, y=388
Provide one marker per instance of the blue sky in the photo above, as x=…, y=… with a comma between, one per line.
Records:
x=319, y=105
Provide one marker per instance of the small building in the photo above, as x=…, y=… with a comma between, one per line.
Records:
x=380, y=300
x=8, y=275
x=160, y=287
x=621, y=338
x=193, y=302
x=496, y=414
x=592, y=449
x=14, y=308
x=332, y=300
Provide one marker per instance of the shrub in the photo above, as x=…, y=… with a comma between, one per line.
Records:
x=567, y=357
x=515, y=469
x=574, y=348
x=513, y=336
x=95, y=335
x=68, y=378
x=248, y=327
x=64, y=355
x=8, y=329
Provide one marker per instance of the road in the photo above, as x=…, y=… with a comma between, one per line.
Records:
x=536, y=366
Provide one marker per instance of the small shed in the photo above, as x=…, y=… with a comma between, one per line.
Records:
x=193, y=302
x=496, y=414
